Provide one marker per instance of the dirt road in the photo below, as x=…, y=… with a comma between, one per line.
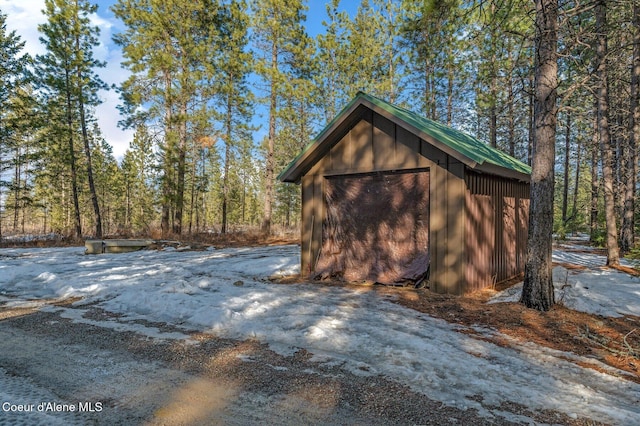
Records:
x=54, y=370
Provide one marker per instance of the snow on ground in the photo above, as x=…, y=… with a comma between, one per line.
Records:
x=226, y=292
x=596, y=289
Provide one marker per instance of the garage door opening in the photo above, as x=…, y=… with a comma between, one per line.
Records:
x=376, y=228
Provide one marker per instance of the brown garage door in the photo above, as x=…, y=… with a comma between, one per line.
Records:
x=376, y=227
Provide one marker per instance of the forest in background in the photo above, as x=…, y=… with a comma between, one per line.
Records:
x=201, y=70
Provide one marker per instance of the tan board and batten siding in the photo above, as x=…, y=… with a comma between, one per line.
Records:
x=375, y=144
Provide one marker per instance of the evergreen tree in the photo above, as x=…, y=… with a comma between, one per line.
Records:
x=537, y=290
x=278, y=31
x=168, y=46
x=431, y=34
x=54, y=184
x=139, y=183
x=108, y=182
x=633, y=138
x=23, y=121
x=13, y=82
x=370, y=60
x=330, y=78
x=602, y=97
x=501, y=34
x=299, y=110
x=67, y=75
x=234, y=99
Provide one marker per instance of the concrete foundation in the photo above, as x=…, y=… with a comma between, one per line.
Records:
x=115, y=246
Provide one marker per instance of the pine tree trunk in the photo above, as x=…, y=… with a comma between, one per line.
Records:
x=511, y=115
x=182, y=170
x=92, y=186
x=168, y=163
x=192, y=204
x=595, y=180
x=72, y=159
x=619, y=161
x=450, y=80
x=627, y=230
x=127, y=217
x=531, y=120
x=537, y=290
x=16, y=190
x=244, y=196
x=26, y=168
x=166, y=201
x=227, y=163
x=511, y=139
x=493, y=88
x=493, y=123
x=574, y=209
x=613, y=253
x=565, y=189
x=270, y=166
x=87, y=147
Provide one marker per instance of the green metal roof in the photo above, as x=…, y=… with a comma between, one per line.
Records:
x=467, y=146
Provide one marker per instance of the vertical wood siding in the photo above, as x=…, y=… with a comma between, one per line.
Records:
x=497, y=218
x=477, y=222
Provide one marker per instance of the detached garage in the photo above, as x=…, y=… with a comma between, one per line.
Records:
x=391, y=197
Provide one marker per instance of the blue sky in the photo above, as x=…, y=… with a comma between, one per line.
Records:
x=23, y=16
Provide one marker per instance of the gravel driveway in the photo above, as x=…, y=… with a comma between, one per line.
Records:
x=57, y=371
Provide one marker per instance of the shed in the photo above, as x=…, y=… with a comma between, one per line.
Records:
x=391, y=197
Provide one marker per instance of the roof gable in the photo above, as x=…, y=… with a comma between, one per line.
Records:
x=467, y=149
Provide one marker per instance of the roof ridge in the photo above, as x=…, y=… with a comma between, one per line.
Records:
x=466, y=148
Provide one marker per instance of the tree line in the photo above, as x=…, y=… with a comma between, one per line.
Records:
x=207, y=76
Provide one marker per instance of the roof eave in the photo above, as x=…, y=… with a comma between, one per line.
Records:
x=494, y=169
x=350, y=115
x=317, y=148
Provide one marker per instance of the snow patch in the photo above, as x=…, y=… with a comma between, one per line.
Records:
x=594, y=289
x=353, y=328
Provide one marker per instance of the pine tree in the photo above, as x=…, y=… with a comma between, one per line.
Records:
x=108, y=182
x=67, y=71
x=501, y=34
x=13, y=82
x=369, y=57
x=430, y=34
x=633, y=138
x=53, y=181
x=389, y=15
x=139, y=183
x=278, y=31
x=537, y=290
x=233, y=95
x=88, y=84
x=602, y=96
x=330, y=78
x=23, y=121
x=169, y=47
x=299, y=110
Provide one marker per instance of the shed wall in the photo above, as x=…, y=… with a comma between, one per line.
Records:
x=496, y=226
x=376, y=144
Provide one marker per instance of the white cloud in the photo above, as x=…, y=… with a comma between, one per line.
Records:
x=24, y=16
